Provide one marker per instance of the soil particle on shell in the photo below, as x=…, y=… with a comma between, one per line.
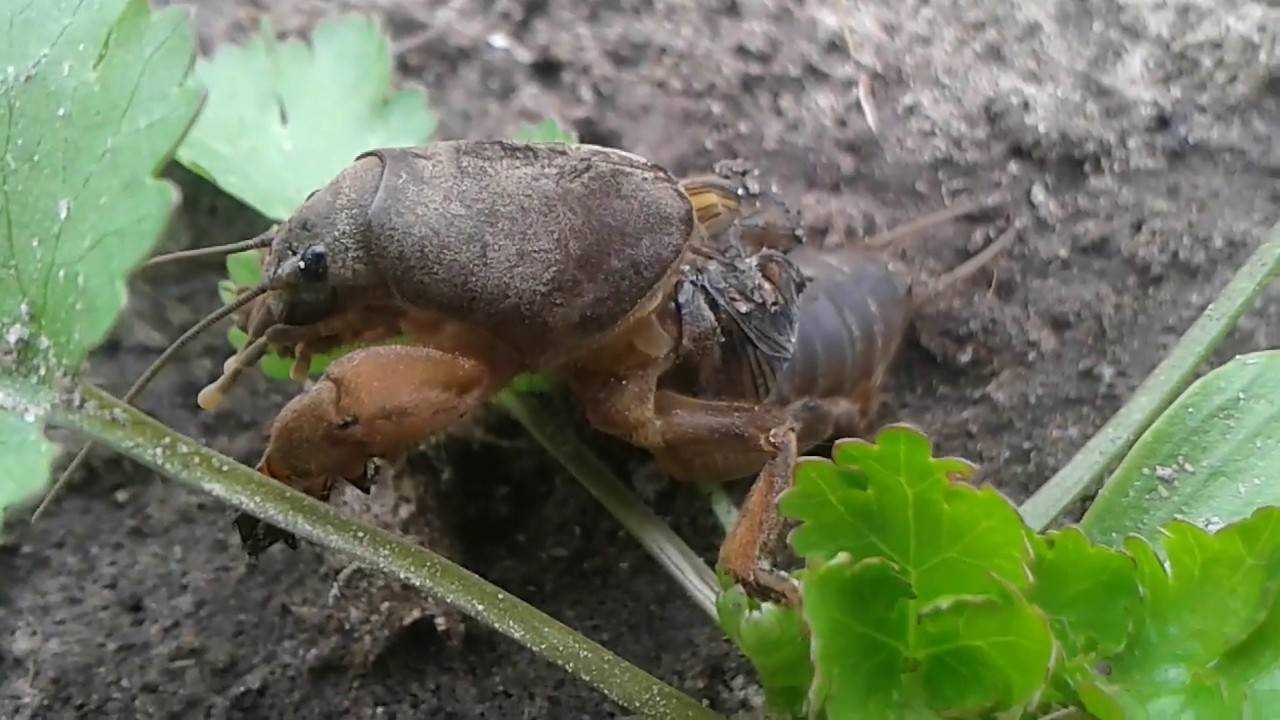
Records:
x=1137, y=140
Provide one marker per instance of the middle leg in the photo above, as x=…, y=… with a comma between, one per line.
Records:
x=718, y=441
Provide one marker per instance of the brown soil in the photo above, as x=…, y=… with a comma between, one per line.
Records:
x=1138, y=143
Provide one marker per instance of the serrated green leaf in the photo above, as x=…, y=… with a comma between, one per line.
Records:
x=1211, y=458
x=1136, y=637
x=1089, y=592
x=773, y=637
x=283, y=118
x=947, y=538
x=1205, y=617
x=981, y=654
x=878, y=654
x=858, y=613
x=27, y=454
x=928, y=568
x=93, y=98
x=547, y=131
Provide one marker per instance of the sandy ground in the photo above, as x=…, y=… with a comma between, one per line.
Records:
x=1137, y=138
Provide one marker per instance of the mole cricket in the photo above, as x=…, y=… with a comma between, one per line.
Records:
x=686, y=316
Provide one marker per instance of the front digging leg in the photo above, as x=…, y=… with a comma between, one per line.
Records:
x=379, y=402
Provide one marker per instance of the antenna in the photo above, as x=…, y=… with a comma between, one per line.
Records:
x=254, y=243
x=910, y=230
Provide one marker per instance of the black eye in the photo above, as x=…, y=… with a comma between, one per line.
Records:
x=313, y=266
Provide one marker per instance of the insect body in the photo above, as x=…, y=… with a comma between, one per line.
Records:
x=686, y=316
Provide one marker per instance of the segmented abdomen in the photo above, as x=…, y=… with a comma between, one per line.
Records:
x=853, y=314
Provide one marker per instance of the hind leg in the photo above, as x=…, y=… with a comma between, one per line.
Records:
x=748, y=549
x=716, y=441
x=705, y=441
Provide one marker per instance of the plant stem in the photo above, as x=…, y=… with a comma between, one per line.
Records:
x=1107, y=448
x=108, y=420
x=721, y=505
x=559, y=438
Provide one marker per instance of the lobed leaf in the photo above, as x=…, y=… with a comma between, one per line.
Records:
x=95, y=96
x=1122, y=634
x=912, y=584
x=547, y=131
x=1089, y=592
x=858, y=614
x=27, y=454
x=284, y=118
x=773, y=637
x=893, y=499
x=982, y=654
x=1205, y=619
x=1212, y=458
x=878, y=653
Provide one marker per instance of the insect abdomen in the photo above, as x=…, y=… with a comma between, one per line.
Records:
x=853, y=313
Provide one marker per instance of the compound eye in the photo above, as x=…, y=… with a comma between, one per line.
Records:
x=313, y=266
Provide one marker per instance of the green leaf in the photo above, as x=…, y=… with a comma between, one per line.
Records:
x=911, y=587
x=27, y=454
x=859, y=618
x=878, y=653
x=283, y=118
x=773, y=637
x=1122, y=634
x=893, y=499
x=979, y=654
x=547, y=131
x=1088, y=592
x=95, y=96
x=1211, y=458
x=1205, y=630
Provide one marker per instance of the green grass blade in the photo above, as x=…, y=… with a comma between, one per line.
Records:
x=146, y=440
x=558, y=437
x=1210, y=459
x=1107, y=448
